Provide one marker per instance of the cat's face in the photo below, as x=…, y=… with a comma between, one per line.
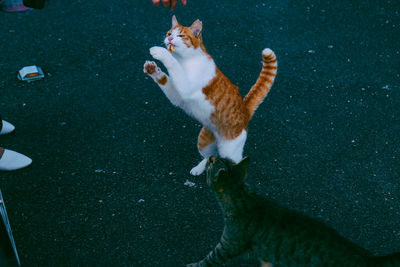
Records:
x=223, y=175
x=184, y=41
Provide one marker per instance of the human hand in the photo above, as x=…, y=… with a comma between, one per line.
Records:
x=166, y=3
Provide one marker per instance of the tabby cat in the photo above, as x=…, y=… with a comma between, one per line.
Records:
x=274, y=234
x=196, y=85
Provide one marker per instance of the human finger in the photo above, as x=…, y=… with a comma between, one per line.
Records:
x=165, y=3
x=173, y=4
x=156, y=2
x=184, y=2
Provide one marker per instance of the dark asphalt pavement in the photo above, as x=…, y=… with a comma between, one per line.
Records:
x=110, y=183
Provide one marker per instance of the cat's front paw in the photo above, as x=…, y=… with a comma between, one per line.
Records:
x=159, y=53
x=150, y=68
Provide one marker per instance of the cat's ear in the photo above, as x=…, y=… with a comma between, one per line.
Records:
x=241, y=167
x=196, y=28
x=175, y=21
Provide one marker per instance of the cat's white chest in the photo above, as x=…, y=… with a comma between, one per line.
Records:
x=199, y=73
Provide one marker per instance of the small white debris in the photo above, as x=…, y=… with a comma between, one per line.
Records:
x=330, y=46
x=189, y=183
x=98, y=171
x=311, y=51
x=140, y=200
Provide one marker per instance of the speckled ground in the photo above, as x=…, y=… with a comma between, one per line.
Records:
x=110, y=183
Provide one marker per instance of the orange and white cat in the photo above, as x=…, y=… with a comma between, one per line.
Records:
x=195, y=84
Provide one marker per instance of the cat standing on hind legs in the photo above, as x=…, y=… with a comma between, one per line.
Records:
x=196, y=85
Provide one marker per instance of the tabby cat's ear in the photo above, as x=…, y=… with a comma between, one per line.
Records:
x=241, y=167
x=174, y=21
x=196, y=28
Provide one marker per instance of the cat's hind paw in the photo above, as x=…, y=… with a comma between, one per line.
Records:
x=200, y=168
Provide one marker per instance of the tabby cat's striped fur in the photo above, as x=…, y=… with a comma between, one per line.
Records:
x=195, y=84
x=275, y=234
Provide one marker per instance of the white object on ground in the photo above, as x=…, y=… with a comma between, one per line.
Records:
x=189, y=184
x=6, y=128
x=11, y=161
x=30, y=73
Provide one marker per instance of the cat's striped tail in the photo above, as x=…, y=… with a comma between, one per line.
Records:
x=264, y=82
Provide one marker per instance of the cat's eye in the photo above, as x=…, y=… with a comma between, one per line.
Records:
x=181, y=35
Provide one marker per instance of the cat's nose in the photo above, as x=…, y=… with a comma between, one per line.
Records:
x=170, y=38
x=211, y=159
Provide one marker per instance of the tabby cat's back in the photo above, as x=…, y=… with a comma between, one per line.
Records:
x=273, y=233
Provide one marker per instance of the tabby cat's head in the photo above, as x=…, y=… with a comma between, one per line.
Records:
x=223, y=175
x=183, y=41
